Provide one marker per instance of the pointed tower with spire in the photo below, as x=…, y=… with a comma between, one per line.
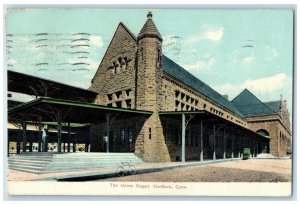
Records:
x=151, y=142
x=149, y=70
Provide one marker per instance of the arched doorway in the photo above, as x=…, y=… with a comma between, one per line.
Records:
x=264, y=145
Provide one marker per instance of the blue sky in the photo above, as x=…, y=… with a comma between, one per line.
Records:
x=230, y=50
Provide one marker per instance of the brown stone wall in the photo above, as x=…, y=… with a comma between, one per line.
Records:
x=170, y=86
x=149, y=97
x=280, y=140
x=149, y=75
x=116, y=72
x=285, y=116
x=154, y=145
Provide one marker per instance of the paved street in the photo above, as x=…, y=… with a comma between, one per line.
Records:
x=257, y=170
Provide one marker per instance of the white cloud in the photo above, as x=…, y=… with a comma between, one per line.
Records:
x=248, y=59
x=96, y=41
x=200, y=65
x=259, y=86
x=267, y=84
x=208, y=33
x=214, y=35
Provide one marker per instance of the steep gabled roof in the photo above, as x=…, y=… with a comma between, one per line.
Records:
x=120, y=25
x=176, y=71
x=250, y=105
x=274, y=105
x=127, y=29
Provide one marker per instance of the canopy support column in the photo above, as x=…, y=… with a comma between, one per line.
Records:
x=19, y=142
x=183, y=138
x=201, y=141
x=232, y=148
x=69, y=137
x=214, y=143
x=107, y=132
x=40, y=133
x=24, y=136
x=224, y=144
x=74, y=144
x=239, y=148
x=7, y=145
x=87, y=140
x=59, y=126
x=30, y=141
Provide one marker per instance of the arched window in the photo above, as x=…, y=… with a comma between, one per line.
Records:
x=263, y=132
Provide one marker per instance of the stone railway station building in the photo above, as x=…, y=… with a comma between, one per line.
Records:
x=156, y=109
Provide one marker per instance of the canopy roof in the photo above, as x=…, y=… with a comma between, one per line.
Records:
x=70, y=111
x=208, y=117
x=32, y=85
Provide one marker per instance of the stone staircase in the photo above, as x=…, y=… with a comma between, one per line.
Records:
x=40, y=163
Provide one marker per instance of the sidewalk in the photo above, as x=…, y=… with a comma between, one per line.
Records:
x=140, y=169
x=98, y=173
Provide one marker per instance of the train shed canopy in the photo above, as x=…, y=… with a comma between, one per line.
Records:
x=207, y=117
x=50, y=109
x=32, y=85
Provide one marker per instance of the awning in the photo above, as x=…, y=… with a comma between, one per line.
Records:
x=69, y=111
x=204, y=115
x=32, y=85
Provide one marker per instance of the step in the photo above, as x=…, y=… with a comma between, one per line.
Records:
x=53, y=162
x=26, y=160
x=28, y=166
x=29, y=163
x=27, y=170
x=31, y=158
